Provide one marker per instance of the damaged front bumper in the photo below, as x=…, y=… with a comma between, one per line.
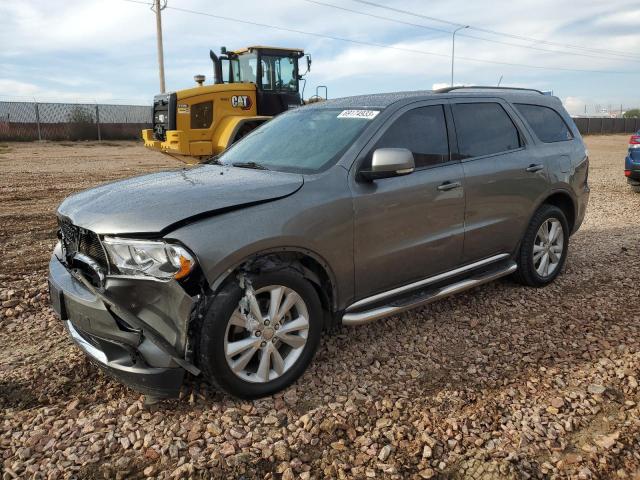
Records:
x=134, y=328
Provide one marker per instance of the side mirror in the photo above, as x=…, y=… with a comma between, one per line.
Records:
x=390, y=162
x=308, y=58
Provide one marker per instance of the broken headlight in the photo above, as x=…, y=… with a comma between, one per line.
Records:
x=149, y=257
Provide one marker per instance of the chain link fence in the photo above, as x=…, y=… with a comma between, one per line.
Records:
x=25, y=121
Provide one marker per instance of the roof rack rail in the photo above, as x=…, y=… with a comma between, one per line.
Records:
x=485, y=87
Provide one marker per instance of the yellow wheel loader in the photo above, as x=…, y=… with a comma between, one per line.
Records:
x=250, y=86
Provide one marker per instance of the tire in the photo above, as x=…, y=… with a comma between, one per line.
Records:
x=635, y=188
x=224, y=324
x=531, y=269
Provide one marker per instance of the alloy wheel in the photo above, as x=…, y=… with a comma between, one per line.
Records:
x=266, y=334
x=548, y=247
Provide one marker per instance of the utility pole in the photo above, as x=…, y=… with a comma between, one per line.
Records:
x=453, y=48
x=158, y=6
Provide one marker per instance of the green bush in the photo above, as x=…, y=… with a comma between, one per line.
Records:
x=82, y=124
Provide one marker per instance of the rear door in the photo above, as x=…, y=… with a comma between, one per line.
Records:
x=556, y=146
x=409, y=227
x=503, y=181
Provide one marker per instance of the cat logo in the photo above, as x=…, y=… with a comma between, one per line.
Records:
x=241, y=101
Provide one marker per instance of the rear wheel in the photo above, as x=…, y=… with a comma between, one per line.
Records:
x=256, y=342
x=543, y=250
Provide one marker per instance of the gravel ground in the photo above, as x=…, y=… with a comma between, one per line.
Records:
x=500, y=382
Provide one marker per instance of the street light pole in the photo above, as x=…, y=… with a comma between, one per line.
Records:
x=453, y=48
x=158, y=8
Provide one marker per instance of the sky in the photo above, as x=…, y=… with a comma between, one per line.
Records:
x=105, y=51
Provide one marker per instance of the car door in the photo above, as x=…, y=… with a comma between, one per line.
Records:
x=556, y=147
x=409, y=227
x=503, y=180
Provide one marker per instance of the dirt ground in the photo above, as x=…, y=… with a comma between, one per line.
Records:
x=499, y=382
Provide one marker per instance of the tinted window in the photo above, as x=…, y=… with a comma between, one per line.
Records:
x=423, y=131
x=202, y=115
x=483, y=129
x=545, y=122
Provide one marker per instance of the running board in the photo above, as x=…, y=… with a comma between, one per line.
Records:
x=360, y=318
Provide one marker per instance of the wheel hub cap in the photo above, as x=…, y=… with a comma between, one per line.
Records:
x=267, y=333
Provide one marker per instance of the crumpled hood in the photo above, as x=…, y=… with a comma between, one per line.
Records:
x=158, y=202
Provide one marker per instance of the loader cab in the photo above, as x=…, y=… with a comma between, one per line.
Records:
x=274, y=71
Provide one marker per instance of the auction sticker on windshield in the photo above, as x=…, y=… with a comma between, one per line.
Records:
x=366, y=114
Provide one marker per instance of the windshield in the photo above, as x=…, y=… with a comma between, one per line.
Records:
x=300, y=141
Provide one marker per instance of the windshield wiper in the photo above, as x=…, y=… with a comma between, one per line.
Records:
x=253, y=165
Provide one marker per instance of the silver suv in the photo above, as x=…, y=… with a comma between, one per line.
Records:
x=344, y=211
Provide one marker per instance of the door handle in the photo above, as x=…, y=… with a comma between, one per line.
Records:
x=446, y=186
x=534, y=167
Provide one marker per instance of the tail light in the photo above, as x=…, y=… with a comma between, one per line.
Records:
x=627, y=173
x=634, y=140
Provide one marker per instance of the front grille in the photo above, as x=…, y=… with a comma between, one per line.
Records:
x=164, y=115
x=76, y=239
x=90, y=246
x=160, y=120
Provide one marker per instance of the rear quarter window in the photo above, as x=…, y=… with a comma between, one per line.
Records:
x=546, y=123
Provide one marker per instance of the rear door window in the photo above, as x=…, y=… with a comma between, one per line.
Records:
x=547, y=124
x=484, y=129
x=422, y=130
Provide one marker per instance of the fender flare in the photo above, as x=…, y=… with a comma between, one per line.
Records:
x=540, y=201
x=563, y=191
x=217, y=283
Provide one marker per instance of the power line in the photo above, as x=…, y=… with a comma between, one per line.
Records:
x=380, y=45
x=531, y=47
x=448, y=32
x=495, y=32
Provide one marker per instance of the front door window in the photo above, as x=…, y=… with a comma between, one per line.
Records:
x=279, y=73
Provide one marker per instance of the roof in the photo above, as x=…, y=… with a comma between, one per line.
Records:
x=383, y=100
x=374, y=100
x=264, y=47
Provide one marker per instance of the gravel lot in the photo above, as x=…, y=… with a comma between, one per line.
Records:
x=500, y=382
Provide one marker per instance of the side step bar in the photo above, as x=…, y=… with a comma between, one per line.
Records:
x=359, y=318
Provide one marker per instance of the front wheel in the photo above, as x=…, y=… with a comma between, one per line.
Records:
x=257, y=341
x=543, y=250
